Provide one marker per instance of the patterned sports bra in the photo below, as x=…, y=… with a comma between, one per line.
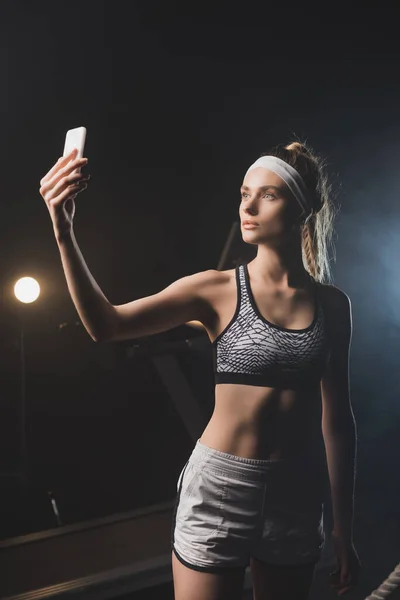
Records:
x=253, y=351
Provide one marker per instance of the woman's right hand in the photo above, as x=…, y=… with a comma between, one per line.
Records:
x=59, y=189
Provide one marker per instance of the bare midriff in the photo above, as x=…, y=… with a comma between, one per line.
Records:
x=263, y=423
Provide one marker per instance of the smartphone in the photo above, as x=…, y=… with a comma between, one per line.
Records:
x=75, y=138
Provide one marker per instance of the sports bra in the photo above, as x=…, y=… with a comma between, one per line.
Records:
x=253, y=351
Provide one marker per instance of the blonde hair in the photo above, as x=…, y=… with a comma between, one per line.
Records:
x=317, y=232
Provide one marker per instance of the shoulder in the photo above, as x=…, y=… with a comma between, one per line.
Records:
x=208, y=279
x=205, y=284
x=209, y=290
x=334, y=298
x=337, y=309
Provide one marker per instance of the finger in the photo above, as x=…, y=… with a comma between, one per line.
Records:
x=52, y=189
x=345, y=589
x=82, y=188
x=335, y=578
x=71, y=192
x=339, y=586
x=345, y=578
x=68, y=169
x=347, y=582
x=64, y=165
x=52, y=171
x=61, y=162
x=74, y=178
x=68, y=194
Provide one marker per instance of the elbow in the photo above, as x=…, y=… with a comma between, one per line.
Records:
x=106, y=327
x=99, y=338
x=104, y=334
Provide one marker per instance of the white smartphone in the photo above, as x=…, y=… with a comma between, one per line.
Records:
x=75, y=138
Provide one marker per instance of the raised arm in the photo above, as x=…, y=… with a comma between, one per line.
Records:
x=185, y=300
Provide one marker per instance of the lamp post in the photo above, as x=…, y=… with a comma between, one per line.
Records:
x=28, y=507
x=27, y=291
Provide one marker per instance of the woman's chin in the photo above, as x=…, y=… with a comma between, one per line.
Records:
x=250, y=236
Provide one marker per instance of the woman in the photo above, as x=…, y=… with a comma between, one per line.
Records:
x=251, y=492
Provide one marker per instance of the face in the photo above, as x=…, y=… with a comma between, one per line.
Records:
x=267, y=211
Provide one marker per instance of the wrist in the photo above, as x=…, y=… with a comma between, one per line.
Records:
x=344, y=535
x=63, y=234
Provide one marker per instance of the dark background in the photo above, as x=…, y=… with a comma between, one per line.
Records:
x=178, y=99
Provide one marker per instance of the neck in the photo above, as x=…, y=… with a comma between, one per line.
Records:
x=281, y=263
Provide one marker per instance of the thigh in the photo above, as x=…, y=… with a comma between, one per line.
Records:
x=281, y=582
x=292, y=528
x=190, y=584
x=215, y=520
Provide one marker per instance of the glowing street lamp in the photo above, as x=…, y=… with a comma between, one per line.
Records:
x=27, y=290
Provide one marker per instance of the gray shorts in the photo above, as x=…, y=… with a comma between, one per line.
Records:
x=230, y=509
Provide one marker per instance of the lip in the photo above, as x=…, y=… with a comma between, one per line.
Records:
x=249, y=225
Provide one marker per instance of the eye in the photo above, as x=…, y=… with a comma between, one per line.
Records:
x=269, y=196
x=244, y=195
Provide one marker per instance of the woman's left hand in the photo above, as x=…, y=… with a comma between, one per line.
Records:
x=348, y=565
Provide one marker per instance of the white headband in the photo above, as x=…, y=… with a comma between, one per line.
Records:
x=291, y=177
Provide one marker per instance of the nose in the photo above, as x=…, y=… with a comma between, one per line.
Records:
x=250, y=206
